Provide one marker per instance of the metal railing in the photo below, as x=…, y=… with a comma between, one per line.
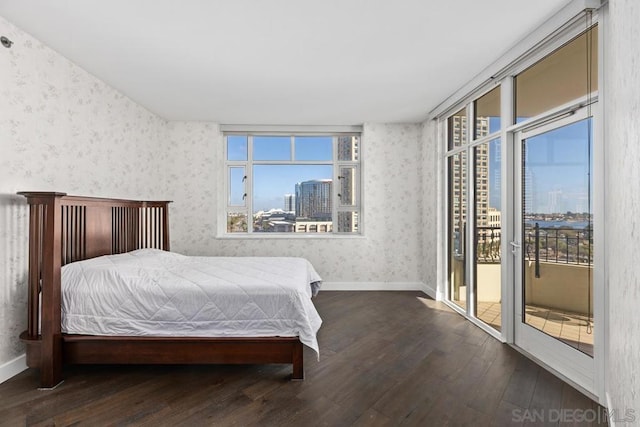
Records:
x=562, y=245
x=488, y=245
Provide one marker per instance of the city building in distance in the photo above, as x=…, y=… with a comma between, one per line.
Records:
x=289, y=202
x=313, y=199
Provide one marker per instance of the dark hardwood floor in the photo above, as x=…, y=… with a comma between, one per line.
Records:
x=387, y=358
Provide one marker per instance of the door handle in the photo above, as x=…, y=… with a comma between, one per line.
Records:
x=514, y=247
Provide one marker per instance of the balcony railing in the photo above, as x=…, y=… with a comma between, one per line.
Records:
x=562, y=245
x=488, y=245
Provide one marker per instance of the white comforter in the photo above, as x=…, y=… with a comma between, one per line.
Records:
x=152, y=292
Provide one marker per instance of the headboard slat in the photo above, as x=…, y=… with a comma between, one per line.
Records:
x=36, y=216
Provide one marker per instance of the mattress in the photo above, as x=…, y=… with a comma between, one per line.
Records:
x=157, y=293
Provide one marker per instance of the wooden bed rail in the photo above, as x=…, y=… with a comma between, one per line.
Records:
x=63, y=229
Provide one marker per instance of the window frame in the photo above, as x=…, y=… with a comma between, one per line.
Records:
x=227, y=208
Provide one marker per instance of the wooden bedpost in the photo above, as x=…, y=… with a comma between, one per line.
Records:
x=51, y=369
x=298, y=362
x=166, y=242
x=44, y=279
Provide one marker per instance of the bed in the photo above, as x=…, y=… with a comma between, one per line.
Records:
x=104, y=289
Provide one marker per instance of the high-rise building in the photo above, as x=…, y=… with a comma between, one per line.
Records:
x=529, y=194
x=313, y=199
x=348, y=222
x=481, y=170
x=494, y=218
x=348, y=151
x=289, y=202
x=348, y=148
x=458, y=180
x=554, y=201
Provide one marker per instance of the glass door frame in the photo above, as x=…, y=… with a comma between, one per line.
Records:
x=568, y=362
x=466, y=149
x=505, y=77
x=595, y=385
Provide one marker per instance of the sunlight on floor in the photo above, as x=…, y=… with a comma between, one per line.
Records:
x=435, y=305
x=571, y=328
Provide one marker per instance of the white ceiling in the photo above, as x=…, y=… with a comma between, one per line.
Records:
x=283, y=61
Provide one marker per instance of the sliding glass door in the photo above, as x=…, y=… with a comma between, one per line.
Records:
x=522, y=224
x=474, y=206
x=487, y=270
x=554, y=252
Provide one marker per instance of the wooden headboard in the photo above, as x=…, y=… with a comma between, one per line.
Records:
x=64, y=229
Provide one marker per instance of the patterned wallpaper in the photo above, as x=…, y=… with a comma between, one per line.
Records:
x=193, y=186
x=61, y=129
x=393, y=209
x=622, y=204
x=429, y=215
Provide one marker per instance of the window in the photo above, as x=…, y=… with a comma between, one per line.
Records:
x=559, y=78
x=473, y=162
x=305, y=184
x=487, y=113
x=548, y=95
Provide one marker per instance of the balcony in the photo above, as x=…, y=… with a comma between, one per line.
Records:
x=558, y=282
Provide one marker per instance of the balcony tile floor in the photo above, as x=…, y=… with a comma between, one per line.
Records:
x=490, y=313
x=571, y=328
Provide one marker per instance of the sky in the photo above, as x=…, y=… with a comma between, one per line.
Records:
x=557, y=168
x=272, y=182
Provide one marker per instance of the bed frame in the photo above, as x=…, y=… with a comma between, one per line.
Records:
x=63, y=229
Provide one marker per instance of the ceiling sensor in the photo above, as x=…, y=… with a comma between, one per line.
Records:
x=6, y=42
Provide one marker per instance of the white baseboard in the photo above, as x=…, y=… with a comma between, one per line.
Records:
x=378, y=286
x=429, y=290
x=13, y=367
